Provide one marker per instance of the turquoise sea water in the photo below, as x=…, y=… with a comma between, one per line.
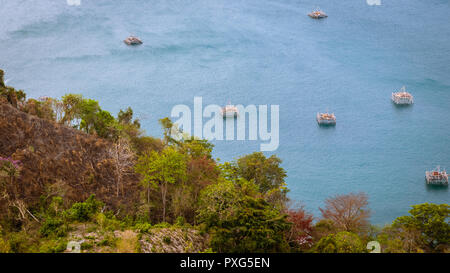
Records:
x=262, y=52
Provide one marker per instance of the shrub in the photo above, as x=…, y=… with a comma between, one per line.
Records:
x=342, y=242
x=108, y=222
x=53, y=246
x=432, y=222
x=208, y=250
x=180, y=221
x=4, y=247
x=162, y=225
x=167, y=240
x=253, y=226
x=86, y=245
x=143, y=227
x=107, y=241
x=22, y=242
x=52, y=226
x=84, y=211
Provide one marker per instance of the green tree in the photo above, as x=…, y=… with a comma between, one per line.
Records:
x=84, y=211
x=201, y=172
x=92, y=119
x=342, y=242
x=4, y=246
x=400, y=239
x=12, y=96
x=230, y=171
x=196, y=148
x=218, y=202
x=265, y=172
x=241, y=223
x=167, y=126
x=158, y=170
x=89, y=114
x=71, y=104
x=128, y=127
x=323, y=228
x=126, y=117
x=2, y=81
x=432, y=221
x=105, y=125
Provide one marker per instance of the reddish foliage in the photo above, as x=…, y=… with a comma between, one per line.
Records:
x=301, y=229
x=202, y=171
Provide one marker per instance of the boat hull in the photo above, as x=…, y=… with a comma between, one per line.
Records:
x=133, y=42
x=437, y=182
x=230, y=114
x=326, y=123
x=402, y=102
x=317, y=16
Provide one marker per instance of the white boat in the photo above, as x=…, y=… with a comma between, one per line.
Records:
x=230, y=111
x=326, y=119
x=132, y=40
x=317, y=14
x=437, y=177
x=402, y=97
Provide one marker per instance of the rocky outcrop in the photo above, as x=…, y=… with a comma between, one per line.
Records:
x=173, y=240
x=156, y=240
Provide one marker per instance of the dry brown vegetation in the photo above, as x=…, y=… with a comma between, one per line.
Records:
x=348, y=212
x=57, y=160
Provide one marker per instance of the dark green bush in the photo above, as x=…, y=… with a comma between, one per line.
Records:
x=56, y=246
x=162, y=225
x=167, y=240
x=53, y=227
x=180, y=221
x=86, y=246
x=84, y=211
x=143, y=227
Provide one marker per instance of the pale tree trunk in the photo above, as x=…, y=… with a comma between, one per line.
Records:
x=123, y=158
x=163, y=195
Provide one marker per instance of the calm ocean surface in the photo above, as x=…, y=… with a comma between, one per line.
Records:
x=262, y=52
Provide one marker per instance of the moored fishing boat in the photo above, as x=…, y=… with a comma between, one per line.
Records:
x=317, y=14
x=132, y=40
x=437, y=177
x=326, y=119
x=230, y=111
x=402, y=97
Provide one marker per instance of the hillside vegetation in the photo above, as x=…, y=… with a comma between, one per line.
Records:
x=71, y=172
